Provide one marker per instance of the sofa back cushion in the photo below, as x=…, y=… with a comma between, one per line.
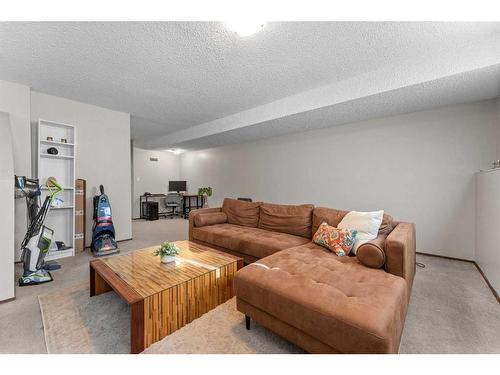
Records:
x=241, y=212
x=329, y=215
x=333, y=217
x=291, y=219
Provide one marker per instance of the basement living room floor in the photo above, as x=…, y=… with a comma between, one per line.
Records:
x=452, y=310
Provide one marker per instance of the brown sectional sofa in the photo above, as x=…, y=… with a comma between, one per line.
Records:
x=303, y=292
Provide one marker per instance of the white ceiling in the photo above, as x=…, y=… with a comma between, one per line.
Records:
x=186, y=82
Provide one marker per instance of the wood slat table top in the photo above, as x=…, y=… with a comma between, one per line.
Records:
x=146, y=275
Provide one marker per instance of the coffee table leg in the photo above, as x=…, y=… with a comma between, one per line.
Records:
x=239, y=264
x=97, y=284
x=137, y=327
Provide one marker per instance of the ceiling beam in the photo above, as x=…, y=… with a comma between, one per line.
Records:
x=425, y=69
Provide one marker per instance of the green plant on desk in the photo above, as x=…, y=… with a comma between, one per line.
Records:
x=206, y=192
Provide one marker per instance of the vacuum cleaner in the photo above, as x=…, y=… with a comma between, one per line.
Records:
x=38, y=238
x=103, y=232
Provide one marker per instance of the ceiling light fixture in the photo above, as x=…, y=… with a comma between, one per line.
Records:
x=244, y=27
x=176, y=151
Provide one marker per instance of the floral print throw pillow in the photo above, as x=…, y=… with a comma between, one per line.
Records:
x=339, y=241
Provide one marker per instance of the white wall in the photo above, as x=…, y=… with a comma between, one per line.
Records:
x=152, y=176
x=15, y=100
x=102, y=153
x=7, y=204
x=488, y=224
x=487, y=254
x=498, y=129
x=418, y=167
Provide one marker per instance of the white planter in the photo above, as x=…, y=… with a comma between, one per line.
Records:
x=167, y=258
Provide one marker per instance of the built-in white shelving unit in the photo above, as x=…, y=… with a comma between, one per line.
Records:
x=62, y=167
x=56, y=156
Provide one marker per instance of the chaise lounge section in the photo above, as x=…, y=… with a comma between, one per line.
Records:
x=305, y=293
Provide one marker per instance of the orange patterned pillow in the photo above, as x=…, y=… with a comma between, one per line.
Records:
x=338, y=240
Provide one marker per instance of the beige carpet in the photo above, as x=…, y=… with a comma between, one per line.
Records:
x=21, y=327
x=222, y=331
x=451, y=311
x=75, y=323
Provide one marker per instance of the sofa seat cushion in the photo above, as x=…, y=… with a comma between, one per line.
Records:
x=352, y=308
x=246, y=240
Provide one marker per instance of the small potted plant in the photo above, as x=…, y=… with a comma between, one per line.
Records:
x=167, y=252
x=206, y=192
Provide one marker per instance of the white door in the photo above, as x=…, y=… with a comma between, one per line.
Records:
x=7, y=204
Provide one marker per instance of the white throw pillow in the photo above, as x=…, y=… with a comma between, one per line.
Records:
x=366, y=223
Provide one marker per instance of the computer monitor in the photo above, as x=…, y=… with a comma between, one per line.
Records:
x=177, y=186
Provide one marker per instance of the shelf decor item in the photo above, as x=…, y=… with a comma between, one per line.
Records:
x=206, y=192
x=167, y=252
x=52, y=151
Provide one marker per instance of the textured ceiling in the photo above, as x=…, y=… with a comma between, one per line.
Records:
x=466, y=87
x=176, y=75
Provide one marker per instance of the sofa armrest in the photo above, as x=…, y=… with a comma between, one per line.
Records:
x=400, y=251
x=192, y=215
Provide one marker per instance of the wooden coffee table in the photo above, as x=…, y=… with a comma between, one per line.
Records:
x=165, y=297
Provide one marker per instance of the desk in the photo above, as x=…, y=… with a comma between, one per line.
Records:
x=187, y=203
x=144, y=198
x=187, y=199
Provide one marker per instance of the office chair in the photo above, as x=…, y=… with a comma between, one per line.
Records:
x=245, y=199
x=173, y=201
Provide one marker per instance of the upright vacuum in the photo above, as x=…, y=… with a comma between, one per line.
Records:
x=38, y=238
x=103, y=233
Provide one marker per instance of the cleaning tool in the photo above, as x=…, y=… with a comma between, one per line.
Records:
x=38, y=238
x=103, y=233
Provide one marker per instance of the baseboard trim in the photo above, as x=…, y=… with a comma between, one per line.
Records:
x=8, y=300
x=488, y=282
x=125, y=239
x=446, y=257
x=495, y=294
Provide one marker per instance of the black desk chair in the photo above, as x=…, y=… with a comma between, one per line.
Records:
x=173, y=202
x=245, y=199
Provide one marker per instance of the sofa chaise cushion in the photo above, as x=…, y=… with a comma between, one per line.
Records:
x=256, y=242
x=291, y=219
x=347, y=306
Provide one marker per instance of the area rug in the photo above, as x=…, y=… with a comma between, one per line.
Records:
x=75, y=323
x=451, y=311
